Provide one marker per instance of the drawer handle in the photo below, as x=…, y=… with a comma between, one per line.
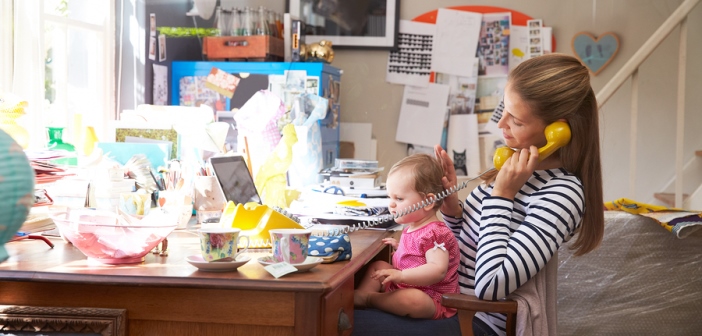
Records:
x=344, y=321
x=236, y=43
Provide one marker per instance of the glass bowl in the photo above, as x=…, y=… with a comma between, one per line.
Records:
x=113, y=239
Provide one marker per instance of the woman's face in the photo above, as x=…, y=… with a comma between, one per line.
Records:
x=520, y=127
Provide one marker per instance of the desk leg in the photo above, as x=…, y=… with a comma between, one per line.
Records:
x=308, y=314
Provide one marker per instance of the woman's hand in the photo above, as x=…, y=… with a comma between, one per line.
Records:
x=387, y=275
x=450, y=206
x=515, y=172
x=390, y=241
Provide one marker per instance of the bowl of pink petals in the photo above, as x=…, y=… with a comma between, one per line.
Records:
x=112, y=238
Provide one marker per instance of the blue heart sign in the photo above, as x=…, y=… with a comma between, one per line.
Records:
x=595, y=53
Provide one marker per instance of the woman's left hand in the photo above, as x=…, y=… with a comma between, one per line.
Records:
x=515, y=172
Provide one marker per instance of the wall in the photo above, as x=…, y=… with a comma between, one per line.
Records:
x=366, y=97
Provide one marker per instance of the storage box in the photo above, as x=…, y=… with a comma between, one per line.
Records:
x=262, y=47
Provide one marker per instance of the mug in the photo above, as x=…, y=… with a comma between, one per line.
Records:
x=135, y=204
x=290, y=245
x=220, y=244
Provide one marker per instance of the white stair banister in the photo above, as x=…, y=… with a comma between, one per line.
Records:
x=646, y=49
x=680, y=131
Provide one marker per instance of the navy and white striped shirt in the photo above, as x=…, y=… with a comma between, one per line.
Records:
x=504, y=243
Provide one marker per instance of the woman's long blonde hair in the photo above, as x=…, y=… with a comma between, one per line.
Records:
x=557, y=86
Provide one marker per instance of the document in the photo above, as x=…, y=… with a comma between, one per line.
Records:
x=455, y=42
x=422, y=114
x=463, y=146
x=410, y=64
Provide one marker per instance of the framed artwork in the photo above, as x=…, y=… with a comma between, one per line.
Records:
x=358, y=24
x=64, y=320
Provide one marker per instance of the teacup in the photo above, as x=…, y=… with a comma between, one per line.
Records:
x=220, y=244
x=290, y=245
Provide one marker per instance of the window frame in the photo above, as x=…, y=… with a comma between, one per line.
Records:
x=35, y=120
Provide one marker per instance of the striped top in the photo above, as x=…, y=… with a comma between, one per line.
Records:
x=504, y=243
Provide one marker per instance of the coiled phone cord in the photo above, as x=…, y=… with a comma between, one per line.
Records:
x=386, y=218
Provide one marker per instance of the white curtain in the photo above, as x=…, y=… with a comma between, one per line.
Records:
x=5, y=45
x=28, y=64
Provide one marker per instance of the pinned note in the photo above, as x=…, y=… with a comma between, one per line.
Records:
x=222, y=82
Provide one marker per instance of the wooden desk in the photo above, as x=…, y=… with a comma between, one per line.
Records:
x=168, y=296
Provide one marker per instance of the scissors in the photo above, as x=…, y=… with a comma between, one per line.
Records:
x=334, y=190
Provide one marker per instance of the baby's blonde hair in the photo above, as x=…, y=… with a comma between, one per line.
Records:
x=426, y=171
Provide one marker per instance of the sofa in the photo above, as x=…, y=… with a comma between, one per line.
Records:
x=642, y=280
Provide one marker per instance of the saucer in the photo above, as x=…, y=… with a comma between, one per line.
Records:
x=308, y=264
x=217, y=266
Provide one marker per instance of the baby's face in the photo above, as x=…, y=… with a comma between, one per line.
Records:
x=400, y=186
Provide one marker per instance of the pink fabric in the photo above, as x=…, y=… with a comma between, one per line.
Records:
x=411, y=252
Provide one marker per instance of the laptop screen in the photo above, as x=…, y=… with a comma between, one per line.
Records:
x=234, y=177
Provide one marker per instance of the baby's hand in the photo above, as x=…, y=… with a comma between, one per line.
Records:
x=390, y=241
x=388, y=275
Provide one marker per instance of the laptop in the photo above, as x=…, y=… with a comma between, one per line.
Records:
x=235, y=180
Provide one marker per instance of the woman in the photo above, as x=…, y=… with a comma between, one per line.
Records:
x=511, y=226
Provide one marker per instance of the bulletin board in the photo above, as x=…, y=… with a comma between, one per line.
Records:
x=518, y=18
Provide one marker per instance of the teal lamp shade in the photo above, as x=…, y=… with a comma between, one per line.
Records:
x=16, y=188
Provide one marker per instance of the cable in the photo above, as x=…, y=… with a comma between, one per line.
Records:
x=386, y=218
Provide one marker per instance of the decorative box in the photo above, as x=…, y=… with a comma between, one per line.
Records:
x=256, y=47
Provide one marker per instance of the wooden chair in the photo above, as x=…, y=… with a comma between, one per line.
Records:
x=468, y=305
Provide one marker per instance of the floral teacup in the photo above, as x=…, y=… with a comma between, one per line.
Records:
x=290, y=245
x=220, y=244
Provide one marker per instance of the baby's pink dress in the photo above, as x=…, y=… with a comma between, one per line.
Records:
x=411, y=252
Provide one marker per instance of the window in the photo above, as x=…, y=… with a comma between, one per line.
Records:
x=62, y=65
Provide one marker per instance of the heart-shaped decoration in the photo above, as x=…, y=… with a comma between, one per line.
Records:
x=595, y=53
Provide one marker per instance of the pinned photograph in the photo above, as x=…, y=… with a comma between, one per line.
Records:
x=152, y=24
x=152, y=48
x=161, y=48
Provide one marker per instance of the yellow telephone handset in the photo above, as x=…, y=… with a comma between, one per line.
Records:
x=557, y=136
x=255, y=220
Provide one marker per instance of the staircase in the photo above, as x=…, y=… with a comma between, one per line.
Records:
x=692, y=189
x=687, y=195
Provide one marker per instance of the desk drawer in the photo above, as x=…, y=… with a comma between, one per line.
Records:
x=338, y=303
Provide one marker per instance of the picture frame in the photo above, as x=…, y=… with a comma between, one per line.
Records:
x=377, y=32
x=119, y=130
x=76, y=321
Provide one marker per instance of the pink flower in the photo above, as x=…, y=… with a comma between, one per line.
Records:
x=217, y=240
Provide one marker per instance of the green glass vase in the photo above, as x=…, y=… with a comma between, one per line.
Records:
x=56, y=143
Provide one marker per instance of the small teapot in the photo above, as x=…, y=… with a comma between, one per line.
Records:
x=320, y=51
